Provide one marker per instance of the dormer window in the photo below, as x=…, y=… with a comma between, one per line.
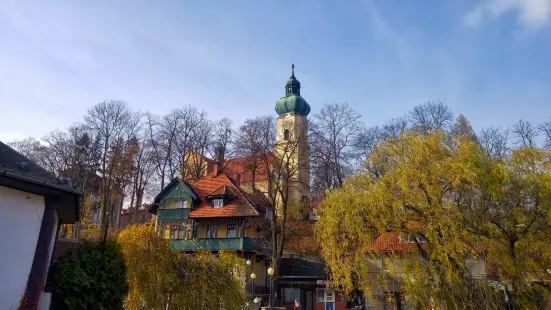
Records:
x=218, y=203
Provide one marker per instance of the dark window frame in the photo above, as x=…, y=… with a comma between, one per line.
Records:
x=233, y=229
x=212, y=229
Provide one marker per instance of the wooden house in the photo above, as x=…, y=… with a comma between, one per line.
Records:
x=213, y=214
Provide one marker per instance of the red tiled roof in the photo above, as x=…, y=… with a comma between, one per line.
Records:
x=223, y=190
x=238, y=206
x=390, y=243
x=242, y=166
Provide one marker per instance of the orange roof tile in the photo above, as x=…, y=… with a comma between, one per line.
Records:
x=237, y=207
x=223, y=190
x=390, y=243
x=242, y=166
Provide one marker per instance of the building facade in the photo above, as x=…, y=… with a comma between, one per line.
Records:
x=33, y=204
x=213, y=214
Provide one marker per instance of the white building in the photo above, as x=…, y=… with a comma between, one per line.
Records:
x=33, y=205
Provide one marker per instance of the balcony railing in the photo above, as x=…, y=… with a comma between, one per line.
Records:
x=218, y=244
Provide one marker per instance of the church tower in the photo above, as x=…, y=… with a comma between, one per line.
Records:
x=292, y=140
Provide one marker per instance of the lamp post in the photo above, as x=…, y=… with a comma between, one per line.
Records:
x=271, y=273
x=253, y=276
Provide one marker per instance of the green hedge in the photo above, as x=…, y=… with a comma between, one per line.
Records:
x=89, y=278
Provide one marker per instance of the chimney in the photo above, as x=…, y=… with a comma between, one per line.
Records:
x=219, y=151
x=215, y=169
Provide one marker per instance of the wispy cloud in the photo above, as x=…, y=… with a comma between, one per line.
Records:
x=532, y=15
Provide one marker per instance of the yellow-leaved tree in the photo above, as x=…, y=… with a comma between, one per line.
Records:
x=160, y=277
x=468, y=229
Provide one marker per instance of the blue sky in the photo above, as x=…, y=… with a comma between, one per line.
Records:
x=487, y=59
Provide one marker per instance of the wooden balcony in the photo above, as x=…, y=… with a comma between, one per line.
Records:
x=219, y=244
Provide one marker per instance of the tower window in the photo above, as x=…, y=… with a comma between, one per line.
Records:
x=286, y=135
x=289, y=89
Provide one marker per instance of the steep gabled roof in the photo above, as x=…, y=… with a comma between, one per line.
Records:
x=168, y=188
x=223, y=190
x=176, y=181
x=14, y=165
x=239, y=206
x=18, y=172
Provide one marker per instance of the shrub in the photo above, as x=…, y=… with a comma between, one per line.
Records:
x=92, y=277
x=162, y=278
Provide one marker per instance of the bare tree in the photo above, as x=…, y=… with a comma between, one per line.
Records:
x=494, y=141
x=109, y=121
x=143, y=168
x=367, y=140
x=545, y=128
x=162, y=135
x=525, y=133
x=333, y=132
x=35, y=151
x=278, y=161
x=224, y=136
x=255, y=143
x=394, y=127
x=192, y=138
x=76, y=154
x=431, y=115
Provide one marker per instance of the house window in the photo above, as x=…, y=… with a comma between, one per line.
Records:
x=211, y=231
x=174, y=232
x=218, y=203
x=290, y=294
x=412, y=238
x=330, y=295
x=321, y=295
x=286, y=135
x=231, y=231
x=183, y=231
x=177, y=204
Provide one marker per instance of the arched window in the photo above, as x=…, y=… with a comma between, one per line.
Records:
x=286, y=135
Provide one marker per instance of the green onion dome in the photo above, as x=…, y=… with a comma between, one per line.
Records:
x=292, y=102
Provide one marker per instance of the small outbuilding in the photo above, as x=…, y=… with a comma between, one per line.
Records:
x=33, y=205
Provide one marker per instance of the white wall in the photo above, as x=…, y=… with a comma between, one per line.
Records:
x=20, y=219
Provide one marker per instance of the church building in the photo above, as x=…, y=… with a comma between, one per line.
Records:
x=220, y=210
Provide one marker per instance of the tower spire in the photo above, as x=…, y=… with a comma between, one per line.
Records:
x=293, y=70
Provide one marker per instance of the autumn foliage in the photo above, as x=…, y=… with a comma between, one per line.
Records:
x=464, y=205
x=162, y=278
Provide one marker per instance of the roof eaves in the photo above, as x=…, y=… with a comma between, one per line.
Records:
x=20, y=177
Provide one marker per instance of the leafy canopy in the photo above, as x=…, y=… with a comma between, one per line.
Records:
x=469, y=208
